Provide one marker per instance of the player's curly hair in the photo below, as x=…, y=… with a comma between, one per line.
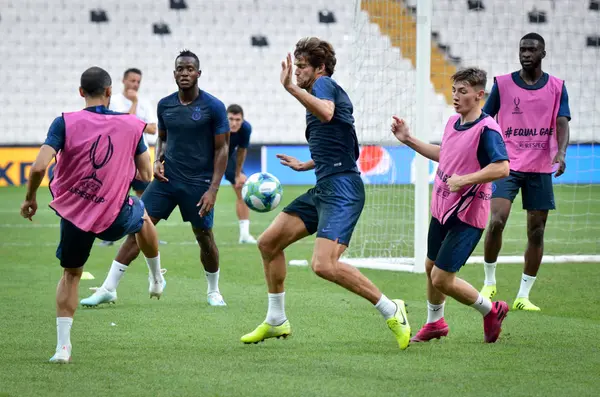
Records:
x=317, y=52
x=475, y=77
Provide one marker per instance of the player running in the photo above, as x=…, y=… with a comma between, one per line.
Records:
x=191, y=157
x=98, y=153
x=239, y=140
x=472, y=155
x=532, y=108
x=332, y=207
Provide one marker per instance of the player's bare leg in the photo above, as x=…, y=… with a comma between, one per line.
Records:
x=536, y=225
x=209, y=257
x=147, y=238
x=327, y=265
x=500, y=210
x=66, y=304
x=435, y=327
x=283, y=231
x=243, y=214
x=465, y=293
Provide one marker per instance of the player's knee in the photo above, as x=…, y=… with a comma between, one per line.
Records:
x=268, y=246
x=73, y=273
x=536, y=235
x=323, y=268
x=429, y=266
x=497, y=223
x=204, y=236
x=439, y=281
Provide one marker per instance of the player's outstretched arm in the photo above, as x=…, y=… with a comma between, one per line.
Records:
x=401, y=132
x=239, y=165
x=321, y=108
x=36, y=175
x=294, y=163
x=491, y=172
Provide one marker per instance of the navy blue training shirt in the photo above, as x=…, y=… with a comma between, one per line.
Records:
x=491, y=145
x=56, y=132
x=333, y=145
x=492, y=105
x=241, y=138
x=191, y=131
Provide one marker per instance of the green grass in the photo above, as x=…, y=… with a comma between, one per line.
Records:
x=179, y=346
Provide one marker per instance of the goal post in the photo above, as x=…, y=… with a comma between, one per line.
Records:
x=403, y=55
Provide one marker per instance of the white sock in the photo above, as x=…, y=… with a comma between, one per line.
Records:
x=154, y=268
x=117, y=270
x=276, y=309
x=213, y=281
x=490, y=273
x=386, y=307
x=526, y=284
x=244, y=228
x=435, y=312
x=63, y=331
x=482, y=305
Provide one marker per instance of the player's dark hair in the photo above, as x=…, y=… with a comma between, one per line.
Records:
x=188, y=53
x=475, y=77
x=132, y=70
x=317, y=52
x=235, y=109
x=535, y=36
x=94, y=81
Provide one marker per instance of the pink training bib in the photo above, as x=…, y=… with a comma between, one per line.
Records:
x=528, y=121
x=458, y=155
x=95, y=168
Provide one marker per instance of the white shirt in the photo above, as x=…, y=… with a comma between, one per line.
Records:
x=144, y=112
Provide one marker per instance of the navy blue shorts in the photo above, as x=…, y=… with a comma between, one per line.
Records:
x=75, y=244
x=230, y=170
x=139, y=186
x=451, y=244
x=161, y=198
x=536, y=190
x=332, y=207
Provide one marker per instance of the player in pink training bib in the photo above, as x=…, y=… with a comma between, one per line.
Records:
x=471, y=156
x=532, y=108
x=97, y=153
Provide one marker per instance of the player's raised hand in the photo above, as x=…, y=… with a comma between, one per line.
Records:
x=400, y=129
x=131, y=95
x=562, y=165
x=29, y=208
x=159, y=171
x=286, y=71
x=291, y=162
x=207, y=201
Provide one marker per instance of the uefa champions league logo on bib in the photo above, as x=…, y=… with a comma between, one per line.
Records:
x=197, y=115
x=517, y=109
x=92, y=182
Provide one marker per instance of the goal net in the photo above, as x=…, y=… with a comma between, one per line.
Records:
x=403, y=68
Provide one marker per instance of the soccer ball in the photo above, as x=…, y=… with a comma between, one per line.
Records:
x=262, y=192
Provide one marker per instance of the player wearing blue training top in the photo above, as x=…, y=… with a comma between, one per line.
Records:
x=331, y=208
x=239, y=140
x=191, y=158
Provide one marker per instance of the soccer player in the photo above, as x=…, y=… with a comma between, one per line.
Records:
x=98, y=153
x=532, y=108
x=240, y=130
x=332, y=207
x=472, y=155
x=191, y=153
x=128, y=101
